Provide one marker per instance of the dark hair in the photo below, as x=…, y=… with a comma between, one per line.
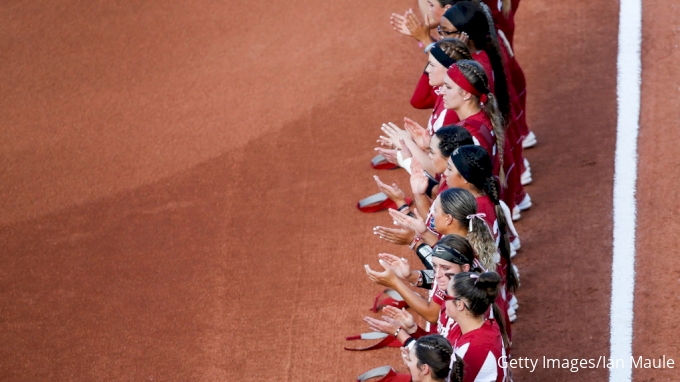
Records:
x=480, y=290
x=454, y=48
x=444, y=3
x=451, y=137
x=478, y=171
x=468, y=17
x=455, y=249
x=460, y=204
x=435, y=351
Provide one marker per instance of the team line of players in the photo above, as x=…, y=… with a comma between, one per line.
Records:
x=467, y=174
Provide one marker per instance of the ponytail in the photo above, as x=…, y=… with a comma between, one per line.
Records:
x=498, y=126
x=483, y=242
x=498, y=316
x=491, y=189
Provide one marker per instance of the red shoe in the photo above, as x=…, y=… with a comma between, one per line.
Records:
x=386, y=341
x=393, y=298
x=378, y=202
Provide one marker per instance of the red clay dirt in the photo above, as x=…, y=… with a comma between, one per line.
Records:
x=178, y=186
x=657, y=269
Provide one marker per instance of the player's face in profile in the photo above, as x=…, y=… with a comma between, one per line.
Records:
x=441, y=268
x=441, y=219
x=435, y=71
x=412, y=364
x=436, y=10
x=452, y=94
x=453, y=177
x=435, y=154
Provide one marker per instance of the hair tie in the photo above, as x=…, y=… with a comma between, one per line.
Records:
x=483, y=99
x=479, y=215
x=475, y=276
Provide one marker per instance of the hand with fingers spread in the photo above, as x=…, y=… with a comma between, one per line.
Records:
x=393, y=192
x=417, y=29
x=403, y=317
x=399, y=24
x=386, y=277
x=385, y=142
x=416, y=224
x=389, y=154
x=398, y=235
x=419, y=180
x=418, y=133
x=393, y=134
x=399, y=265
x=386, y=325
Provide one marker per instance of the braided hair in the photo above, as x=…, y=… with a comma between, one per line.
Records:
x=454, y=48
x=452, y=137
x=436, y=352
x=474, y=164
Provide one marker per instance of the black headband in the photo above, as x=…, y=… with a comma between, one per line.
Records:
x=449, y=254
x=440, y=56
x=474, y=175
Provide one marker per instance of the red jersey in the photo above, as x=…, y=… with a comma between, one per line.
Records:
x=424, y=95
x=444, y=323
x=480, y=350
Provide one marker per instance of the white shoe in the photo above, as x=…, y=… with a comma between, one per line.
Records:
x=513, y=303
x=512, y=315
x=516, y=272
x=513, y=252
x=515, y=244
x=526, y=164
x=526, y=177
x=529, y=141
x=525, y=204
x=516, y=215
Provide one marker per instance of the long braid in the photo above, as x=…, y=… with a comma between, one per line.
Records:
x=457, y=369
x=491, y=189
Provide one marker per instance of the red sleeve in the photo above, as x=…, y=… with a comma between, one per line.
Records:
x=424, y=96
x=420, y=332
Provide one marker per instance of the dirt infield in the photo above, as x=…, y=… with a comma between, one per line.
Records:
x=657, y=267
x=178, y=186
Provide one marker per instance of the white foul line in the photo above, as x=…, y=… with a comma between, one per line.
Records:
x=625, y=177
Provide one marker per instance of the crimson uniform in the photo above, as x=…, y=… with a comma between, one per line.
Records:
x=480, y=350
x=512, y=147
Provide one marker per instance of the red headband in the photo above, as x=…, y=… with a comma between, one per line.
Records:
x=457, y=76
